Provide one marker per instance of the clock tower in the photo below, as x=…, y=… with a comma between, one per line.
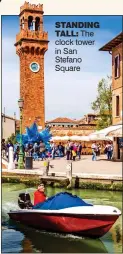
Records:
x=31, y=45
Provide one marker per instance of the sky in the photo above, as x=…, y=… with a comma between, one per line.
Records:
x=67, y=94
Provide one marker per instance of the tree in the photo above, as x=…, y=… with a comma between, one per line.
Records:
x=103, y=103
x=12, y=138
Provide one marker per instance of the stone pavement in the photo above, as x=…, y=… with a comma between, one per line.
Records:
x=86, y=168
x=85, y=165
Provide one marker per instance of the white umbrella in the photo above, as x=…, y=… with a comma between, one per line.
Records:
x=65, y=138
x=80, y=138
x=55, y=138
x=84, y=138
x=75, y=137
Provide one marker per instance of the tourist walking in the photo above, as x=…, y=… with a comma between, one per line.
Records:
x=53, y=150
x=68, y=150
x=71, y=149
x=42, y=150
x=79, y=150
x=60, y=150
x=98, y=149
x=74, y=151
x=109, y=151
x=73, y=154
x=94, y=150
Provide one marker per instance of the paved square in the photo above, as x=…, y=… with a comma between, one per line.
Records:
x=85, y=165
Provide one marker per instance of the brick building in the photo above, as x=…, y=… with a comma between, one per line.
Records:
x=62, y=122
x=115, y=47
x=31, y=45
x=62, y=126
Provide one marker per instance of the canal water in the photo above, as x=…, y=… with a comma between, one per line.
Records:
x=17, y=238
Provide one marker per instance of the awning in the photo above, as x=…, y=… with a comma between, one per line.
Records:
x=116, y=133
x=55, y=138
x=84, y=138
x=72, y=138
x=103, y=134
x=60, y=138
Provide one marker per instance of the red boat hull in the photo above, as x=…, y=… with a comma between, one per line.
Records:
x=84, y=225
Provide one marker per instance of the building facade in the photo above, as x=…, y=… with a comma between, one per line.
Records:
x=115, y=47
x=31, y=45
x=8, y=125
x=63, y=126
x=62, y=122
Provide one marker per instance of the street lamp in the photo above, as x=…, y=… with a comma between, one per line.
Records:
x=21, y=155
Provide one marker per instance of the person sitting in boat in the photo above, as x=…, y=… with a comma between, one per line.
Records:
x=39, y=195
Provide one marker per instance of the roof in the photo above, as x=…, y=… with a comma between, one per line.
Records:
x=113, y=43
x=62, y=120
x=83, y=121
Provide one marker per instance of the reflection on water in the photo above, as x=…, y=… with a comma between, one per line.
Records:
x=17, y=238
x=28, y=240
x=55, y=242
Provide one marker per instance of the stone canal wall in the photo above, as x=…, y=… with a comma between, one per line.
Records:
x=92, y=182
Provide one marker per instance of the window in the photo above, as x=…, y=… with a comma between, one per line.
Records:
x=22, y=23
x=32, y=50
x=117, y=66
x=89, y=119
x=37, y=24
x=30, y=23
x=117, y=105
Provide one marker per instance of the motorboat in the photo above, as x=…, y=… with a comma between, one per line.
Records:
x=67, y=213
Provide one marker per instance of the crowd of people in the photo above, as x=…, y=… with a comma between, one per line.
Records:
x=71, y=150
x=108, y=150
x=38, y=150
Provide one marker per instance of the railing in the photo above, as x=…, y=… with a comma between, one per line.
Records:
x=29, y=6
x=32, y=35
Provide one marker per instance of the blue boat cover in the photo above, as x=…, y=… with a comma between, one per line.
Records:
x=60, y=201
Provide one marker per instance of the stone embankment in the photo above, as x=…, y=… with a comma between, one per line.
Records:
x=82, y=181
x=84, y=174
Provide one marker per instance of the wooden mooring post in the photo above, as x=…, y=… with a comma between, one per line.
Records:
x=46, y=167
x=69, y=173
x=11, y=164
